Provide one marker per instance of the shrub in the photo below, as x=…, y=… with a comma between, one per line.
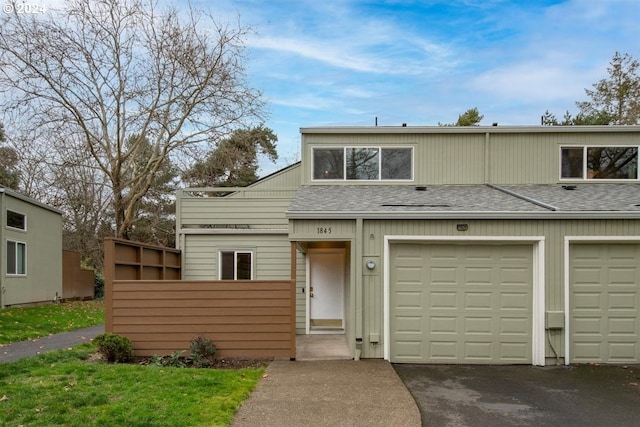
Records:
x=98, y=285
x=114, y=348
x=174, y=360
x=203, y=352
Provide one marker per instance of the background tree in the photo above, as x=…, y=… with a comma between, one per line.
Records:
x=97, y=72
x=234, y=163
x=471, y=117
x=9, y=172
x=614, y=100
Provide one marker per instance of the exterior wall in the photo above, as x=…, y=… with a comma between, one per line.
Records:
x=43, y=238
x=271, y=255
x=475, y=155
x=370, y=245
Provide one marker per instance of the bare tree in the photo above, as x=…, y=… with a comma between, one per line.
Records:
x=97, y=72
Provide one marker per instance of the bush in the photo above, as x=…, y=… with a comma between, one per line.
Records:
x=114, y=348
x=203, y=352
x=98, y=285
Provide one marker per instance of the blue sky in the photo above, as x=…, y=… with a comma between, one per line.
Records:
x=345, y=62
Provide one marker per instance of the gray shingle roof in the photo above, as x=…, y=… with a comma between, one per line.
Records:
x=396, y=199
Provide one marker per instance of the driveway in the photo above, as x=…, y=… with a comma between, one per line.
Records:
x=581, y=395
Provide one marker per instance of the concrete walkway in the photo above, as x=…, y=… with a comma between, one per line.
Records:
x=329, y=393
x=20, y=350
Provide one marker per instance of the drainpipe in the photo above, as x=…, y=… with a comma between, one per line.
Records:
x=358, y=286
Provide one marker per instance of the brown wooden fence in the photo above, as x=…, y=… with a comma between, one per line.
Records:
x=77, y=282
x=242, y=318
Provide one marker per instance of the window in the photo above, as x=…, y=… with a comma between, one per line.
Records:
x=16, y=258
x=363, y=163
x=607, y=162
x=236, y=265
x=16, y=220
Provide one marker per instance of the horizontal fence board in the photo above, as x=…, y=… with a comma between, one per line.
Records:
x=191, y=311
x=198, y=285
x=225, y=345
x=195, y=329
x=187, y=294
x=201, y=303
x=203, y=320
x=223, y=353
x=218, y=337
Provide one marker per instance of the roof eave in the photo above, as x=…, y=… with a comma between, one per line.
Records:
x=466, y=129
x=464, y=214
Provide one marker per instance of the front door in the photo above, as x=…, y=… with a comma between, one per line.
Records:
x=326, y=291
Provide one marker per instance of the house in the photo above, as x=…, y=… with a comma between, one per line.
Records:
x=474, y=245
x=30, y=250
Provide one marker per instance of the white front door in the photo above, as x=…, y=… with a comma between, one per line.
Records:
x=326, y=291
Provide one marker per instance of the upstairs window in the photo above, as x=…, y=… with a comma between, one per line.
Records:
x=363, y=163
x=16, y=258
x=236, y=265
x=594, y=163
x=16, y=220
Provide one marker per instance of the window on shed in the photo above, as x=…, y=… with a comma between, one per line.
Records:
x=16, y=220
x=236, y=265
x=16, y=258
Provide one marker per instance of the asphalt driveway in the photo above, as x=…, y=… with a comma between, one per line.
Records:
x=581, y=395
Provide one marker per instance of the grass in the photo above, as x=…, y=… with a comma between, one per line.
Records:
x=24, y=323
x=64, y=388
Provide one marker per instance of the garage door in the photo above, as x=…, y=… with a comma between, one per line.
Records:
x=468, y=303
x=604, y=302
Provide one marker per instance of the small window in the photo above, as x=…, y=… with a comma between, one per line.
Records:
x=236, y=265
x=328, y=163
x=363, y=163
x=16, y=258
x=593, y=163
x=16, y=220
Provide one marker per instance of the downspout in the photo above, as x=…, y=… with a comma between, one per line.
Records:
x=487, y=157
x=358, y=286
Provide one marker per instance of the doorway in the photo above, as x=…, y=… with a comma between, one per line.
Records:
x=325, y=291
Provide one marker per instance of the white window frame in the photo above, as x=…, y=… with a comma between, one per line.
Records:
x=344, y=149
x=6, y=218
x=17, y=243
x=584, y=163
x=235, y=262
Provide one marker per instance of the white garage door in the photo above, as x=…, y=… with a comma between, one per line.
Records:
x=604, y=303
x=468, y=303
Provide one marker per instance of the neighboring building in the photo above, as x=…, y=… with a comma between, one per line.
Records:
x=491, y=245
x=30, y=250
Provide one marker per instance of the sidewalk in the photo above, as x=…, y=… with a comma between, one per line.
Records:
x=329, y=393
x=19, y=350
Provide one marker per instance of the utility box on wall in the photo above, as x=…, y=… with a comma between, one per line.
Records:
x=554, y=320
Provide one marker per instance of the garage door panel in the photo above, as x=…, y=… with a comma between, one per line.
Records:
x=477, y=303
x=604, y=281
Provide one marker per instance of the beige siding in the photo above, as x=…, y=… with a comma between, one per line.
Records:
x=222, y=211
x=271, y=255
x=553, y=231
x=506, y=156
x=43, y=238
x=331, y=229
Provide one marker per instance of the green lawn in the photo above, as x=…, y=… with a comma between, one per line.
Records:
x=63, y=388
x=23, y=323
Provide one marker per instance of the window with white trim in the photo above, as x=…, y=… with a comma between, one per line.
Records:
x=363, y=163
x=599, y=162
x=16, y=220
x=236, y=265
x=16, y=258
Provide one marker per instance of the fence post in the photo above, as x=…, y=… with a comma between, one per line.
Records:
x=109, y=276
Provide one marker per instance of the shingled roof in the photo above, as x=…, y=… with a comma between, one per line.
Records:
x=514, y=201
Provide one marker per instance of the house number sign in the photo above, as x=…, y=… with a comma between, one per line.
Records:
x=323, y=230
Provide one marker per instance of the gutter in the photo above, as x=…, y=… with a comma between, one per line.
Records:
x=463, y=214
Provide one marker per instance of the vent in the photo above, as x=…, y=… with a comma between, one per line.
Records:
x=421, y=188
x=569, y=187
